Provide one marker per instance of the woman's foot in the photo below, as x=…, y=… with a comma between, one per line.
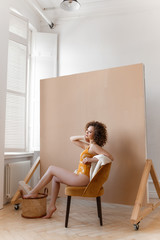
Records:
x=31, y=195
x=50, y=211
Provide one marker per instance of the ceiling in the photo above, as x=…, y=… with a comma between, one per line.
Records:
x=88, y=7
x=56, y=3
x=51, y=8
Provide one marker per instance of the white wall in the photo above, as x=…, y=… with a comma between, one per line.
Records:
x=114, y=39
x=44, y=65
x=27, y=11
x=4, y=11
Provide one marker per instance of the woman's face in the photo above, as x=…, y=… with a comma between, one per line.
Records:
x=90, y=133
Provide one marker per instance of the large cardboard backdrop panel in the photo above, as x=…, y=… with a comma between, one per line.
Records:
x=113, y=96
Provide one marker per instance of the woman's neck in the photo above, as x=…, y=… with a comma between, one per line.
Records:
x=91, y=142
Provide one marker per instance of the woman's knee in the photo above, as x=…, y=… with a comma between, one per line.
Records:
x=56, y=179
x=50, y=168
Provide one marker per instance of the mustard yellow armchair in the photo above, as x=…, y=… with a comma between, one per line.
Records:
x=93, y=189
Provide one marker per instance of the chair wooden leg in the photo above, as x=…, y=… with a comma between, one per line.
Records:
x=67, y=210
x=99, y=209
x=97, y=206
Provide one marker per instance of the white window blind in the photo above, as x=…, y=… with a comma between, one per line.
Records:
x=18, y=26
x=15, y=122
x=17, y=67
x=16, y=101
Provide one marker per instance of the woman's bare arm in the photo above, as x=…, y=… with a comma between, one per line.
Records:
x=80, y=141
x=90, y=160
x=99, y=150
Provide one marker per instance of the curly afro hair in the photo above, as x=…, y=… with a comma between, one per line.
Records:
x=100, y=132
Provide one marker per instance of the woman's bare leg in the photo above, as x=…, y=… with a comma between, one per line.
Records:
x=47, y=177
x=63, y=175
x=57, y=175
x=54, y=194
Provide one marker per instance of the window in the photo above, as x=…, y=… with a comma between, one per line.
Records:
x=16, y=100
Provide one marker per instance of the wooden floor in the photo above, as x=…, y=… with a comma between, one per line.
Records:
x=83, y=223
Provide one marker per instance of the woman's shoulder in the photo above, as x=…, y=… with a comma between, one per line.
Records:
x=93, y=148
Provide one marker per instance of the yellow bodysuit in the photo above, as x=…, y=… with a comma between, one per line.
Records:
x=84, y=168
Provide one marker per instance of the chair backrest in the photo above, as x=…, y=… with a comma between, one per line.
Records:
x=95, y=185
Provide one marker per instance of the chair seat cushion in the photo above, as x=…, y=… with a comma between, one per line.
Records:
x=74, y=191
x=80, y=191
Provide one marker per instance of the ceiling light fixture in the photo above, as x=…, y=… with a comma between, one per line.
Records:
x=70, y=5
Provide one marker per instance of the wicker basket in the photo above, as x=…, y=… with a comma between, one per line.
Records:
x=35, y=207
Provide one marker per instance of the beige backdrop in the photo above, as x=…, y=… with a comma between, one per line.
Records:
x=115, y=97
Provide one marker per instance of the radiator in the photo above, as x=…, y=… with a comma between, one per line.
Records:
x=15, y=172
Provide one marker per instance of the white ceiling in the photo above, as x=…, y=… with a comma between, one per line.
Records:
x=88, y=7
x=55, y=4
x=51, y=8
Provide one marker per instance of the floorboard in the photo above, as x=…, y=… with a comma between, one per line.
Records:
x=83, y=223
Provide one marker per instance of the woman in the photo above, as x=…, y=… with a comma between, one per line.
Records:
x=93, y=140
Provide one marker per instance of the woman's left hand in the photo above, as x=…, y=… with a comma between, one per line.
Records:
x=86, y=160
